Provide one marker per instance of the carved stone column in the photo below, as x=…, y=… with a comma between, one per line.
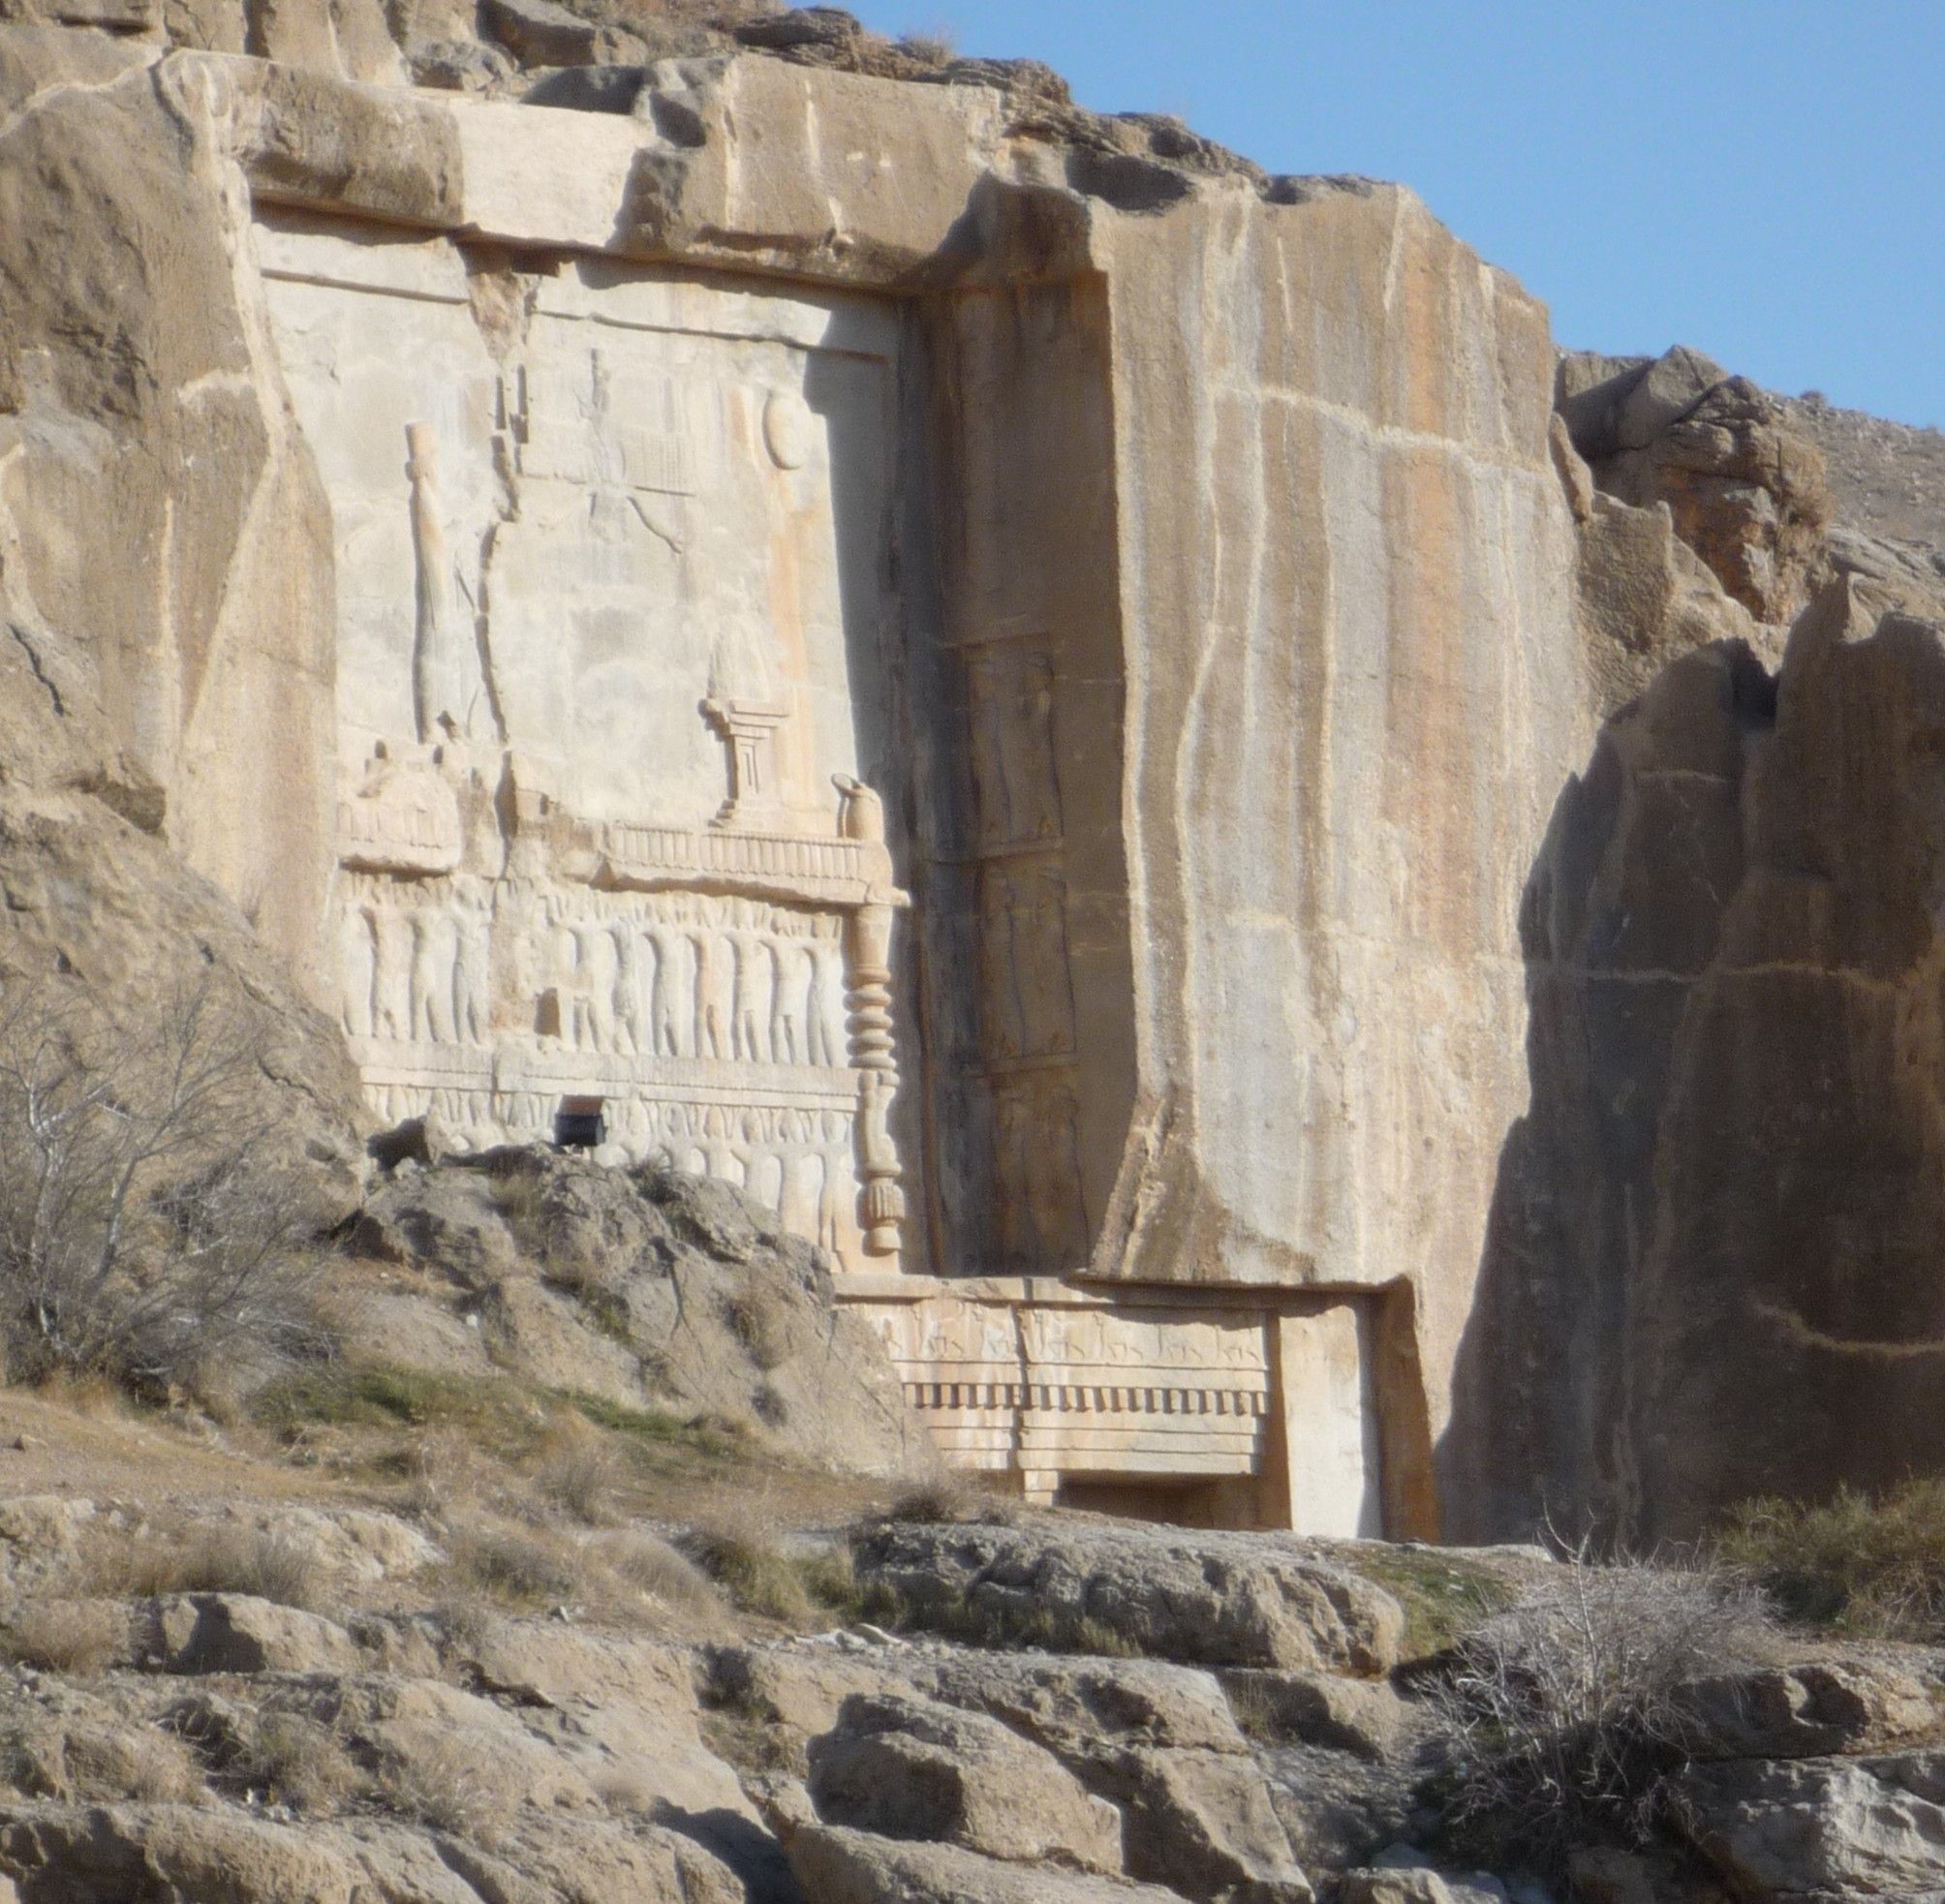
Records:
x=873, y=1046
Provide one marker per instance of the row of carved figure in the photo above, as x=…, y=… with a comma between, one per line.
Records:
x=623, y=975
x=702, y=977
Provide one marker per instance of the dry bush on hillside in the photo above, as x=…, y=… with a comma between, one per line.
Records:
x=581, y=1472
x=758, y=1317
x=224, y=1559
x=515, y=1568
x=144, y=1235
x=646, y=1564
x=441, y=1785
x=1868, y=1564
x=1565, y=1716
x=294, y=1761
x=80, y=1638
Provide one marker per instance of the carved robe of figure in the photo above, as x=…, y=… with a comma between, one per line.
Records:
x=563, y=974
x=1013, y=1138
x=824, y=1006
x=442, y=700
x=790, y=996
x=1054, y=1184
x=801, y=1201
x=392, y=989
x=1041, y=955
x=1003, y=1010
x=712, y=993
x=598, y=986
x=630, y=984
x=357, y=964
x=472, y=973
x=672, y=1010
x=751, y=996
x=426, y=974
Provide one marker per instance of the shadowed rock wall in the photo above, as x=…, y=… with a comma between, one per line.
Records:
x=1711, y=1268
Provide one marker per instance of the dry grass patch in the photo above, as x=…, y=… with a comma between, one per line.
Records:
x=582, y=1472
x=758, y=1317
x=443, y=1787
x=521, y=1569
x=80, y=1638
x=644, y=1564
x=294, y=1761
x=224, y=1559
x=1872, y=1565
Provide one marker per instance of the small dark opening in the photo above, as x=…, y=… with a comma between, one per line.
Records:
x=580, y=1123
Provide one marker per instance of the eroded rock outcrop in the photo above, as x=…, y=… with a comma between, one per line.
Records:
x=1705, y=1272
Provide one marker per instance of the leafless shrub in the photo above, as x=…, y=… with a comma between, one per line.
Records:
x=742, y=1560
x=760, y=1318
x=938, y=1497
x=143, y=1233
x=1565, y=1716
x=80, y=1638
x=932, y=48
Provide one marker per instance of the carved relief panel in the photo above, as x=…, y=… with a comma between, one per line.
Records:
x=606, y=578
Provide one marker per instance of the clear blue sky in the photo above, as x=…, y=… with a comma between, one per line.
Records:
x=1763, y=179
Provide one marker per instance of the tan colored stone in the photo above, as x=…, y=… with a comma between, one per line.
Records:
x=1215, y=1599
x=839, y=1867
x=237, y=1633
x=908, y=1769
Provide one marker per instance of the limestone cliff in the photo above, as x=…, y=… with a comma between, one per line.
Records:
x=1023, y=690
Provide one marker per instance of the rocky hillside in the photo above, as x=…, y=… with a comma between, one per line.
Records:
x=232, y=1676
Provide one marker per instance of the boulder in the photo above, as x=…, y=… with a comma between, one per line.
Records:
x=839, y=1867
x=1206, y=1599
x=906, y=1768
x=1365, y=1716
x=1745, y=487
x=1804, y=1711
x=239, y=1633
x=1202, y=1823
x=1848, y=1828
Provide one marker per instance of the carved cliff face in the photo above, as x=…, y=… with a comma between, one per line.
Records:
x=608, y=553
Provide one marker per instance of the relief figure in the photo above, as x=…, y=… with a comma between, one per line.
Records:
x=750, y=960
x=630, y=983
x=392, y=988
x=1010, y=696
x=473, y=973
x=791, y=978
x=1040, y=950
x=825, y=1037
x=597, y=994
x=357, y=961
x=672, y=1001
x=712, y=993
x=441, y=696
